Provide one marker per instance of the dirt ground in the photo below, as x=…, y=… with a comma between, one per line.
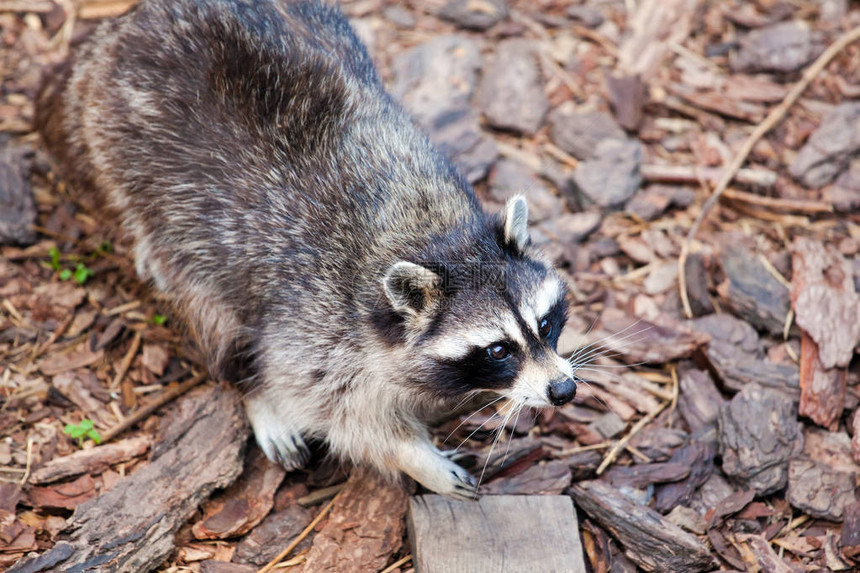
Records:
x=730, y=413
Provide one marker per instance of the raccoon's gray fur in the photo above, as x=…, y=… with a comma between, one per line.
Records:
x=306, y=229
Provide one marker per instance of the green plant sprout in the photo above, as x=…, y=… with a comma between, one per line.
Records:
x=81, y=430
x=54, y=252
x=159, y=319
x=82, y=273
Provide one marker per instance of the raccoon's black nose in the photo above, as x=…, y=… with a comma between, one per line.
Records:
x=562, y=391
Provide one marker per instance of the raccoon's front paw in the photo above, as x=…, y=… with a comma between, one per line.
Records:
x=287, y=448
x=433, y=470
x=280, y=442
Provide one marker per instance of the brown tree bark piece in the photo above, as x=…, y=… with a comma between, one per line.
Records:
x=78, y=358
x=737, y=369
x=92, y=461
x=642, y=475
x=851, y=531
x=649, y=539
x=131, y=527
x=699, y=400
x=495, y=533
x=245, y=503
x=548, y=478
x=365, y=527
x=17, y=208
x=824, y=300
x=698, y=458
x=855, y=440
x=653, y=27
x=752, y=292
x=832, y=449
x=822, y=391
x=759, y=433
x=760, y=556
x=269, y=538
x=642, y=341
x=819, y=490
x=67, y=495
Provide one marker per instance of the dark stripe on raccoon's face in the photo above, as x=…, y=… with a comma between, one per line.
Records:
x=478, y=371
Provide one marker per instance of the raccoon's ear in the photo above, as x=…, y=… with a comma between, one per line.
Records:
x=515, y=223
x=410, y=288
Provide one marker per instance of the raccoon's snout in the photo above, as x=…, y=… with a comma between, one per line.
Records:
x=561, y=391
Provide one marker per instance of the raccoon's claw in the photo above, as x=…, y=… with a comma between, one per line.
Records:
x=436, y=472
x=465, y=487
x=291, y=452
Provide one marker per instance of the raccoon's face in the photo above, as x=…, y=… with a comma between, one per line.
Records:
x=490, y=324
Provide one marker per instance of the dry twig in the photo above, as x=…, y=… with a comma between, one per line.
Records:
x=778, y=203
x=163, y=399
x=397, y=564
x=622, y=443
x=126, y=361
x=307, y=530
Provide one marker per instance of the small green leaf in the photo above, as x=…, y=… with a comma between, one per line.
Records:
x=82, y=273
x=94, y=436
x=77, y=432
x=68, y=429
x=86, y=424
x=65, y=274
x=159, y=319
x=54, y=252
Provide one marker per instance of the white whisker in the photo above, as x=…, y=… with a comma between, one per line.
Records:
x=472, y=415
x=492, y=446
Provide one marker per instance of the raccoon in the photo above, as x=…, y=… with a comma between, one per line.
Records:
x=308, y=232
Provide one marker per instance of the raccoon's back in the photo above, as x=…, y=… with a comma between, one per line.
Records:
x=249, y=147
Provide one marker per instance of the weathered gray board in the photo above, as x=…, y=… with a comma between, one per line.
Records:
x=497, y=534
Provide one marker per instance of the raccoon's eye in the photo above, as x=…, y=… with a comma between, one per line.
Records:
x=545, y=328
x=498, y=351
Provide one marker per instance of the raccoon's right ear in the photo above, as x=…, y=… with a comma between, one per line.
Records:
x=515, y=223
x=410, y=288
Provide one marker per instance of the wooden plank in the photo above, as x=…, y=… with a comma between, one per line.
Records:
x=496, y=533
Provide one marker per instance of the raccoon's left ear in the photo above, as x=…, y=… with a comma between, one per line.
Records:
x=515, y=223
x=410, y=288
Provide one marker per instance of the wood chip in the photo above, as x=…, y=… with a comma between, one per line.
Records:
x=365, y=527
x=245, y=503
x=824, y=300
x=63, y=362
x=68, y=495
x=759, y=433
x=92, y=461
x=822, y=391
x=760, y=556
x=267, y=539
x=651, y=541
x=155, y=358
x=550, y=478
x=639, y=341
